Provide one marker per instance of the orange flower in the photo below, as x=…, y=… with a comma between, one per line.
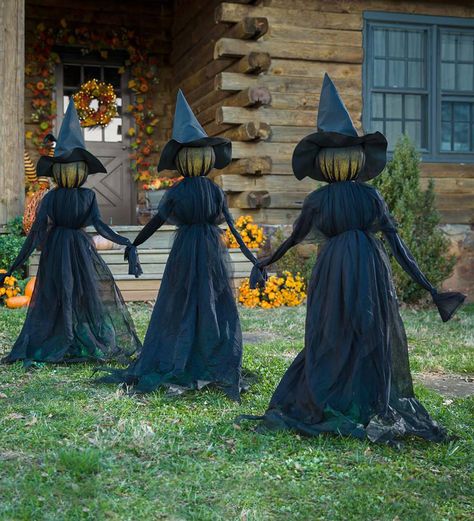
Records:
x=40, y=85
x=144, y=87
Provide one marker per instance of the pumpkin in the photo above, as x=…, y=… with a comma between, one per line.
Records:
x=341, y=164
x=30, y=286
x=70, y=175
x=195, y=161
x=17, y=302
x=101, y=243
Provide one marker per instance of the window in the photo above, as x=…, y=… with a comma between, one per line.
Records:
x=74, y=75
x=419, y=80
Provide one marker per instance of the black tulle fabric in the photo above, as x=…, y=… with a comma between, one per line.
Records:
x=194, y=337
x=353, y=375
x=76, y=311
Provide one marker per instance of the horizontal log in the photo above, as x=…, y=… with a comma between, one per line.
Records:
x=291, y=33
x=203, y=75
x=226, y=47
x=451, y=185
x=249, y=28
x=250, y=97
x=268, y=215
x=250, y=199
x=264, y=199
x=272, y=183
x=249, y=166
x=237, y=115
x=232, y=13
x=310, y=101
x=283, y=67
x=246, y=132
x=252, y=63
x=249, y=132
x=461, y=9
x=451, y=170
x=234, y=81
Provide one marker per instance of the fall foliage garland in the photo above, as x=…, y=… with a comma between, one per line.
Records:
x=41, y=60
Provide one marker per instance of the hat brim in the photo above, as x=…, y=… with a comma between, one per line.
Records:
x=45, y=164
x=222, y=149
x=305, y=162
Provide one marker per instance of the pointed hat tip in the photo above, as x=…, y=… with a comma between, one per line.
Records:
x=333, y=115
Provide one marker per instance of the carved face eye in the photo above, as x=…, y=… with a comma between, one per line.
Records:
x=70, y=175
x=341, y=164
x=195, y=161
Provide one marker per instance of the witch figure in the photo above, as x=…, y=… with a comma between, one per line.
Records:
x=194, y=337
x=76, y=313
x=352, y=377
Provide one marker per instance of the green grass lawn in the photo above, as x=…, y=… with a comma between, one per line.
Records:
x=71, y=450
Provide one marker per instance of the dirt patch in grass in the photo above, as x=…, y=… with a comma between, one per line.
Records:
x=452, y=385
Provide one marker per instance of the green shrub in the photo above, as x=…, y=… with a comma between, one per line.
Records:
x=10, y=245
x=418, y=220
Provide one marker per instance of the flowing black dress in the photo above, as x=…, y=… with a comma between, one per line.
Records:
x=194, y=337
x=353, y=375
x=76, y=311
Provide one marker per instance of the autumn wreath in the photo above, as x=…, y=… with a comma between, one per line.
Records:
x=106, y=106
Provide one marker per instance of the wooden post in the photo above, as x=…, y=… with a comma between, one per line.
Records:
x=12, y=70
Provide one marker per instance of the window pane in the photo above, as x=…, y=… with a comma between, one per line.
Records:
x=113, y=131
x=379, y=73
x=448, y=76
x=448, y=46
x=393, y=130
x=413, y=129
x=415, y=74
x=377, y=105
x=379, y=42
x=93, y=134
x=446, y=111
x=112, y=76
x=461, y=137
x=461, y=112
x=396, y=73
x=393, y=106
x=413, y=106
x=446, y=145
x=465, y=76
x=415, y=45
x=465, y=48
x=72, y=75
x=396, y=43
x=92, y=73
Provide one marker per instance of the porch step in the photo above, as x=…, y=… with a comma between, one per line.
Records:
x=153, y=263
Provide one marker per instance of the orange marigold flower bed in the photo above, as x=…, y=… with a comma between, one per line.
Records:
x=280, y=290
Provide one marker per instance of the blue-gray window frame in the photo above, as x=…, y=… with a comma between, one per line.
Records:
x=433, y=26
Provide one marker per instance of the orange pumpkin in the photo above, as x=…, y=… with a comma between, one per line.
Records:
x=17, y=302
x=30, y=287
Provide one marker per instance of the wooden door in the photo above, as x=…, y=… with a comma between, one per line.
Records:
x=115, y=190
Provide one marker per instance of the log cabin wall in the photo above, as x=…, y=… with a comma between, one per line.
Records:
x=300, y=41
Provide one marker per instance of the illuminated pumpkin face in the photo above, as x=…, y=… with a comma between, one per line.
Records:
x=70, y=175
x=195, y=161
x=341, y=164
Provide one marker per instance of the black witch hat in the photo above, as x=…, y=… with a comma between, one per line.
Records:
x=335, y=129
x=70, y=147
x=187, y=131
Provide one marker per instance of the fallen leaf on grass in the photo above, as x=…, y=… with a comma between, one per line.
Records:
x=3, y=396
x=15, y=416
